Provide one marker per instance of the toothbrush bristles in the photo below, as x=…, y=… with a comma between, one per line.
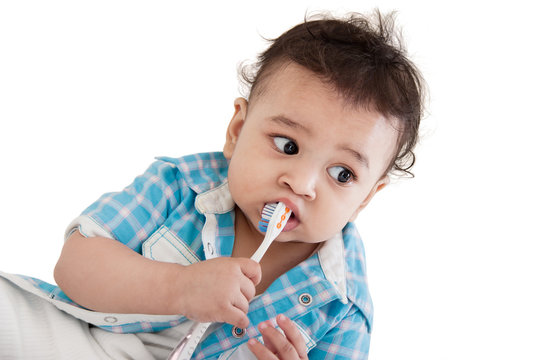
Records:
x=266, y=215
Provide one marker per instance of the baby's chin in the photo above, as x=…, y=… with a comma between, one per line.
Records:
x=299, y=236
x=290, y=238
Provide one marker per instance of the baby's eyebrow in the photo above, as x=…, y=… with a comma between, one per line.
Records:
x=359, y=156
x=282, y=119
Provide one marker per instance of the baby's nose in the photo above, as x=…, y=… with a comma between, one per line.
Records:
x=302, y=181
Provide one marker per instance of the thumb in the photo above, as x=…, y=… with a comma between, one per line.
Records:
x=252, y=270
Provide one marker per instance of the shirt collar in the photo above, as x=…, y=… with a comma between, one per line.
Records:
x=215, y=201
x=332, y=259
x=201, y=172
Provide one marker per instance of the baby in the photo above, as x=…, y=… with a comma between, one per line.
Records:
x=334, y=108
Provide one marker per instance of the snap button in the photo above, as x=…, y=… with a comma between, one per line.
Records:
x=305, y=299
x=111, y=319
x=210, y=248
x=238, y=332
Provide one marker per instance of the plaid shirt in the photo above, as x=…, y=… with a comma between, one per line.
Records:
x=180, y=210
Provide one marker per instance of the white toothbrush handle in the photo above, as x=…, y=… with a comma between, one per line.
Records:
x=259, y=253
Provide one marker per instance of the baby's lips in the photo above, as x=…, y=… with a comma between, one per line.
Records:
x=293, y=215
x=291, y=206
x=291, y=224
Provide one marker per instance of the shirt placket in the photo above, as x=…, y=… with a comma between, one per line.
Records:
x=208, y=236
x=293, y=302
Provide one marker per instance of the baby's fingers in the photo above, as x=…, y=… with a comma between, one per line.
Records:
x=236, y=317
x=293, y=335
x=289, y=346
x=260, y=351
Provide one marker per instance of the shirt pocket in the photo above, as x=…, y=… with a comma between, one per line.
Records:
x=164, y=245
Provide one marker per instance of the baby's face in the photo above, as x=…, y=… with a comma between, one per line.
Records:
x=297, y=143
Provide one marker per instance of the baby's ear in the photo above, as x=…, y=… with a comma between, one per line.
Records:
x=235, y=126
x=379, y=185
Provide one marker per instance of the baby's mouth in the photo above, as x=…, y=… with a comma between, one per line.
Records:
x=292, y=223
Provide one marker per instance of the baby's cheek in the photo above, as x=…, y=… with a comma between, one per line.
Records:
x=330, y=227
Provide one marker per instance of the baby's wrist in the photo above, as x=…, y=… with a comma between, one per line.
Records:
x=174, y=284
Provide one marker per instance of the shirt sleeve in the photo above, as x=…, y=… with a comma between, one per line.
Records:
x=133, y=214
x=350, y=339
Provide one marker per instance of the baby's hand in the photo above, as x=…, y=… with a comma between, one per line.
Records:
x=217, y=290
x=279, y=346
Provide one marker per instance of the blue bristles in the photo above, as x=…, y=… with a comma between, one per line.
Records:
x=266, y=215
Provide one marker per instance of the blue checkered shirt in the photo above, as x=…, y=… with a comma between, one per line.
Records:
x=179, y=210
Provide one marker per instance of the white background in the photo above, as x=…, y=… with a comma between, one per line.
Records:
x=90, y=92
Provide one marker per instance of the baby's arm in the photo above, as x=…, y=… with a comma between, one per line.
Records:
x=105, y=275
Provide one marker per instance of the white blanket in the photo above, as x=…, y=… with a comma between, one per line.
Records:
x=32, y=328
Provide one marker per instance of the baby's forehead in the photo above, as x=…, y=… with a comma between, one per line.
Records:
x=295, y=95
x=295, y=82
x=288, y=75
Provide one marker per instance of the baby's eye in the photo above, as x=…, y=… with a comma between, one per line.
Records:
x=341, y=174
x=286, y=145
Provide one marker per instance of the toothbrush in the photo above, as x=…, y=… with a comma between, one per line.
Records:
x=273, y=219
